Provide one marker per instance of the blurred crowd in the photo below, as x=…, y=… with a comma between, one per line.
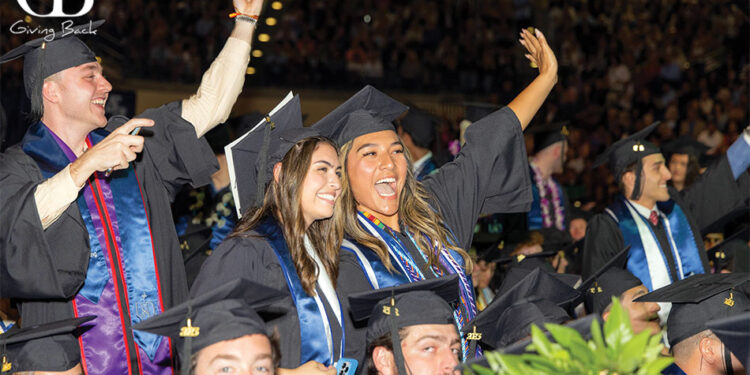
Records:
x=623, y=64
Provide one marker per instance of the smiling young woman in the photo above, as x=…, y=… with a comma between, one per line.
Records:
x=288, y=240
x=400, y=230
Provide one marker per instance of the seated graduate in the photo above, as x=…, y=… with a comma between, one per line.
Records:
x=410, y=328
x=402, y=230
x=287, y=239
x=695, y=301
x=221, y=331
x=613, y=280
x=734, y=332
x=37, y=349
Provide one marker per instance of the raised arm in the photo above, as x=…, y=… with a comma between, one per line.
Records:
x=222, y=82
x=528, y=102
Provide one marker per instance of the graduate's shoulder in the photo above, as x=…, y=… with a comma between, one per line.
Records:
x=249, y=242
x=15, y=162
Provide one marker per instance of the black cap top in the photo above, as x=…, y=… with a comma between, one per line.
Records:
x=495, y=326
x=610, y=280
x=698, y=299
x=367, y=111
x=549, y=134
x=734, y=332
x=34, y=349
x=255, y=153
x=628, y=151
x=420, y=125
x=685, y=145
x=515, y=322
x=423, y=302
x=50, y=54
x=225, y=313
x=582, y=326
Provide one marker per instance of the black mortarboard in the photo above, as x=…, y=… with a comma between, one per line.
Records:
x=34, y=349
x=367, y=111
x=582, y=326
x=698, y=299
x=549, y=134
x=627, y=151
x=685, y=145
x=734, y=332
x=492, y=325
x=476, y=111
x=254, y=154
x=389, y=309
x=225, y=313
x=420, y=125
x=611, y=280
x=50, y=54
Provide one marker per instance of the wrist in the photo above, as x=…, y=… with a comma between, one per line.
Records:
x=80, y=171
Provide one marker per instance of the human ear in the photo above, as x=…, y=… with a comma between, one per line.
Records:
x=51, y=91
x=383, y=360
x=277, y=172
x=709, y=351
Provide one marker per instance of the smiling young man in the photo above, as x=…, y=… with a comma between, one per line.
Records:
x=661, y=225
x=79, y=241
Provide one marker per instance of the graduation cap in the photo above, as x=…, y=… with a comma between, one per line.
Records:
x=256, y=152
x=537, y=297
x=627, y=151
x=582, y=326
x=389, y=309
x=34, y=349
x=420, y=125
x=611, y=280
x=367, y=111
x=685, y=145
x=48, y=55
x=549, y=134
x=698, y=299
x=734, y=332
x=225, y=313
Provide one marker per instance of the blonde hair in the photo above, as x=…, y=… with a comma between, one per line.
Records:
x=414, y=211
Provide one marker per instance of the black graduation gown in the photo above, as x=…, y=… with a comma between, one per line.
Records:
x=254, y=259
x=709, y=198
x=44, y=269
x=489, y=175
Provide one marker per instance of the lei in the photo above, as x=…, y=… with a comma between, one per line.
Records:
x=545, y=187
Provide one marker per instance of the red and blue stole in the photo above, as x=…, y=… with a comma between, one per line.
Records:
x=316, y=336
x=644, y=260
x=380, y=277
x=121, y=281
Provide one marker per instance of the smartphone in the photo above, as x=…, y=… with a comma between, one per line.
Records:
x=346, y=366
x=133, y=132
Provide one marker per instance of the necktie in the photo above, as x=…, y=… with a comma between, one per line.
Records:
x=654, y=218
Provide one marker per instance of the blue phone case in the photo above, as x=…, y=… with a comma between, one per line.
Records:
x=346, y=366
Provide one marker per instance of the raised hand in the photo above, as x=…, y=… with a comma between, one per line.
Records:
x=540, y=52
x=115, y=151
x=249, y=7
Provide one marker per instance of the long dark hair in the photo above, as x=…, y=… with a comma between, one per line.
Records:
x=282, y=202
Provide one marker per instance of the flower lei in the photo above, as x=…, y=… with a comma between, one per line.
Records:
x=544, y=187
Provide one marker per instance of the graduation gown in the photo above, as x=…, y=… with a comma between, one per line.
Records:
x=43, y=270
x=489, y=175
x=713, y=195
x=253, y=258
x=534, y=217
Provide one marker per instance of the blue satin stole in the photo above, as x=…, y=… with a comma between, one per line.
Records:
x=679, y=234
x=314, y=345
x=133, y=234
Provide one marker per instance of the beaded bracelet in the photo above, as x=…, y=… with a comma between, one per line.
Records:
x=244, y=17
